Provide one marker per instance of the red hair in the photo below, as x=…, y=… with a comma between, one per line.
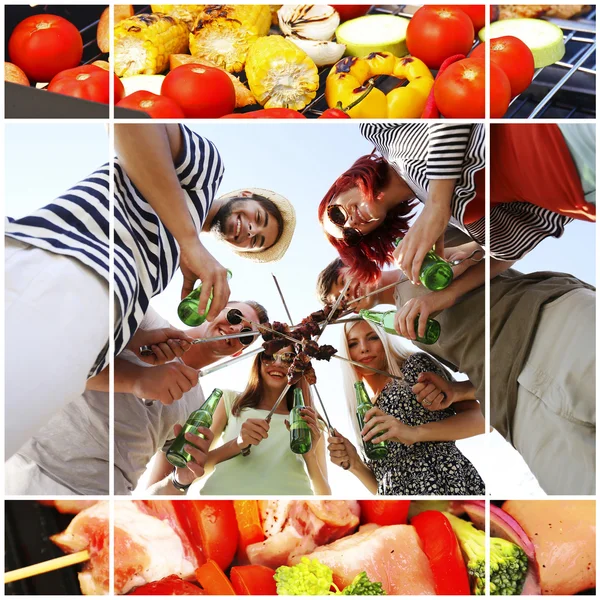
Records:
x=365, y=261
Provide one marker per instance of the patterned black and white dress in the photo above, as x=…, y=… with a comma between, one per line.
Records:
x=425, y=468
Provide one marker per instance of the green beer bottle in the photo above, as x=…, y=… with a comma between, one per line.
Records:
x=202, y=417
x=300, y=438
x=188, y=307
x=436, y=273
x=386, y=320
x=363, y=404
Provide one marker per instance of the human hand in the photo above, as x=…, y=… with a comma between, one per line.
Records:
x=309, y=415
x=421, y=308
x=342, y=452
x=198, y=449
x=165, y=383
x=166, y=344
x=425, y=233
x=197, y=263
x=380, y=427
x=434, y=392
x=462, y=253
x=253, y=432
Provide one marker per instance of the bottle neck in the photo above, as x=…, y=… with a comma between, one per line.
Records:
x=298, y=399
x=210, y=405
x=361, y=395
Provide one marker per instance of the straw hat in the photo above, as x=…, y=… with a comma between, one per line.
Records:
x=288, y=215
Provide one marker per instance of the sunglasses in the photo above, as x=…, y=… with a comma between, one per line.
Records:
x=285, y=357
x=234, y=317
x=339, y=216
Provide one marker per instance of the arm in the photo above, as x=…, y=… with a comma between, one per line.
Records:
x=342, y=452
x=436, y=393
x=467, y=422
x=317, y=469
x=159, y=482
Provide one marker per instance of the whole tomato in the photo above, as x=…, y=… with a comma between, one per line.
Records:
x=158, y=107
x=460, y=90
x=384, y=512
x=476, y=13
x=44, y=45
x=437, y=32
x=201, y=92
x=499, y=92
x=351, y=11
x=514, y=57
x=87, y=82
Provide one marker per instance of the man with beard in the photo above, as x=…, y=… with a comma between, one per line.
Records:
x=154, y=396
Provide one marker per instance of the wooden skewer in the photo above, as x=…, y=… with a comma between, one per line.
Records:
x=47, y=566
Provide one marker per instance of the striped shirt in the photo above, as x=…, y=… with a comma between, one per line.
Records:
x=420, y=152
x=146, y=255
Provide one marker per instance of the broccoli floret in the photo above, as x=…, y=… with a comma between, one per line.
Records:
x=307, y=578
x=508, y=562
x=363, y=586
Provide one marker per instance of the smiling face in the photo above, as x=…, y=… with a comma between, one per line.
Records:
x=246, y=224
x=365, y=347
x=274, y=373
x=357, y=289
x=221, y=326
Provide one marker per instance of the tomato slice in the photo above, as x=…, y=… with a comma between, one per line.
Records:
x=249, y=525
x=169, y=586
x=212, y=525
x=445, y=558
x=384, y=512
x=253, y=580
x=213, y=580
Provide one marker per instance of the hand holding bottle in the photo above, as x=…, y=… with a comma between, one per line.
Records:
x=309, y=415
x=342, y=452
x=197, y=263
x=381, y=427
x=420, y=309
x=198, y=450
x=253, y=432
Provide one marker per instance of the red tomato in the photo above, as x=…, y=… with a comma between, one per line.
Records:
x=499, y=92
x=351, y=11
x=88, y=83
x=437, y=32
x=44, y=45
x=445, y=558
x=253, y=580
x=516, y=60
x=13, y=74
x=212, y=525
x=168, y=586
x=158, y=107
x=202, y=92
x=384, y=512
x=476, y=13
x=460, y=90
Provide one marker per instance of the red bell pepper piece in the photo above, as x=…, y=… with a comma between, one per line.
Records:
x=253, y=580
x=249, y=526
x=213, y=581
x=445, y=558
x=267, y=113
x=334, y=113
x=168, y=586
x=384, y=512
x=431, y=110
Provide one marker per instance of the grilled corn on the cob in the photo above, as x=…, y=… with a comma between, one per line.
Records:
x=280, y=75
x=187, y=13
x=143, y=44
x=223, y=33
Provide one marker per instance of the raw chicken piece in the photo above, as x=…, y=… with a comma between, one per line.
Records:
x=296, y=527
x=564, y=535
x=69, y=506
x=535, y=11
x=146, y=549
x=89, y=531
x=391, y=555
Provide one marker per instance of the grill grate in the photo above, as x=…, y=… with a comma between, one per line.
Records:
x=566, y=89
x=28, y=527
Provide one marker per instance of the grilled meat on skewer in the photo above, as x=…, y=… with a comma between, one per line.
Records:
x=310, y=375
x=273, y=346
x=325, y=352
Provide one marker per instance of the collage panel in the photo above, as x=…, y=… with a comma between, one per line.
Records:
x=543, y=547
x=548, y=54
x=296, y=61
x=57, y=61
x=56, y=293
x=543, y=301
x=288, y=248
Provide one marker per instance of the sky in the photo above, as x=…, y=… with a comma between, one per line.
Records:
x=299, y=160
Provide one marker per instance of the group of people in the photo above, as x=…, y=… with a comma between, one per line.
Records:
x=423, y=183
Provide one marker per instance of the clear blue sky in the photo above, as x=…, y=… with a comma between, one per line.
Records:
x=299, y=160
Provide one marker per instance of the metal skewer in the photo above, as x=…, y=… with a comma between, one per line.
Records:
x=363, y=366
x=147, y=350
x=228, y=363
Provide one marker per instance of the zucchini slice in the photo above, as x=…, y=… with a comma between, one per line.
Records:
x=374, y=33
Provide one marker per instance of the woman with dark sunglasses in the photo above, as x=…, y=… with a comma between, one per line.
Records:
x=271, y=467
x=443, y=167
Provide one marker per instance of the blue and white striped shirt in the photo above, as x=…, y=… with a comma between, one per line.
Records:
x=146, y=254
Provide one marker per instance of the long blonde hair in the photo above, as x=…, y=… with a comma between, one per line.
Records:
x=395, y=355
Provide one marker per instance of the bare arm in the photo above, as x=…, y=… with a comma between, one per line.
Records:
x=126, y=376
x=343, y=453
x=316, y=464
x=467, y=422
x=159, y=481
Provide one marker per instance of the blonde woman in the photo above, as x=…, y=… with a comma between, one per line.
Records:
x=271, y=468
x=423, y=458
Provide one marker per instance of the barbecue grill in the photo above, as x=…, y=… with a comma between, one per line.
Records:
x=22, y=102
x=28, y=527
x=566, y=89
